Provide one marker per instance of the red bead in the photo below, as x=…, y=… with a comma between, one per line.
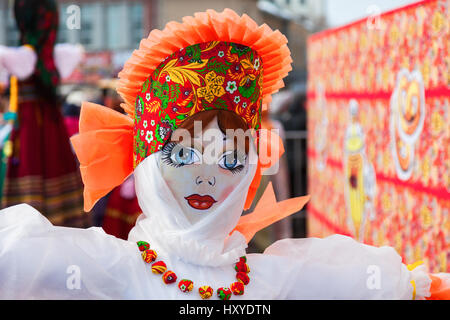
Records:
x=243, y=277
x=186, y=285
x=169, y=277
x=237, y=288
x=241, y=266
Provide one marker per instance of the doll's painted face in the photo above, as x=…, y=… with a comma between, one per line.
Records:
x=203, y=170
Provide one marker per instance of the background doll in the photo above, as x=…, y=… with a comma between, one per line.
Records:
x=42, y=169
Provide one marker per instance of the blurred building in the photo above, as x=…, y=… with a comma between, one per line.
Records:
x=294, y=18
x=105, y=25
x=111, y=29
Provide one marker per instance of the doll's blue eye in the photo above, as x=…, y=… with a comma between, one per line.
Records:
x=184, y=156
x=230, y=161
x=177, y=155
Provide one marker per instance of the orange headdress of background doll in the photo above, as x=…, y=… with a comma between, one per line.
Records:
x=187, y=68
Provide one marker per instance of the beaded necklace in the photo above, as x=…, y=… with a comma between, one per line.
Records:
x=186, y=285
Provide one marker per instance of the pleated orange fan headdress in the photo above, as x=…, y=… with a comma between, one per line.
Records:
x=209, y=61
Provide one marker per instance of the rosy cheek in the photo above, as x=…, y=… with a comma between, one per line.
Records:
x=225, y=193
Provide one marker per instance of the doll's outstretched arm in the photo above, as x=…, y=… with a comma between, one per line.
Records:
x=338, y=267
x=18, y=61
x=41, y=261
x=67, y=58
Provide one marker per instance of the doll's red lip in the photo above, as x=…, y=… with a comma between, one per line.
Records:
x=199, y=202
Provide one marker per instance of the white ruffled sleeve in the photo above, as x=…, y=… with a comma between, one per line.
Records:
x=338, y=267
x=41, y=261
x=67, y=57
x=18, y=61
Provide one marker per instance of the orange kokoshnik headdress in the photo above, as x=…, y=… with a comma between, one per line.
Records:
x=210, y=61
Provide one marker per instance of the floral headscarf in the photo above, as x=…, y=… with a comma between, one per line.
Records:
x=210, y=75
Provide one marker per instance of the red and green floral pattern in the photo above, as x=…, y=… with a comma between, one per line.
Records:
x=205, y=76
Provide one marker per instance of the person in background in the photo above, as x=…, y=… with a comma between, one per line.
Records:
x=289, y=111
x=5, y=130
x=42, y=170
x=281, y=185
x=122, y=210
x=111, y=98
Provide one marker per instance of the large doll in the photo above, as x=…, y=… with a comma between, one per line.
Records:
x=42, y=169
x=187, y=90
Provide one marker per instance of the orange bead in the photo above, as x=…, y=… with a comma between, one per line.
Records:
x=205, y=292
x=149, y=255
x=237, y=288
x=159, y=267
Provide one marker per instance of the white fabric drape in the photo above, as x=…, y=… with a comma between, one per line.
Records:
x=163, y=223
x=41, y=261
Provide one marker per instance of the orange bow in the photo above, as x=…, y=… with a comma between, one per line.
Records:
x=438, y=289
x=104, y=148
x=267, y=212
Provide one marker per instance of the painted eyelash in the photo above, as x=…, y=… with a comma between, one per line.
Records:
x=238, y=169
x=167, y=153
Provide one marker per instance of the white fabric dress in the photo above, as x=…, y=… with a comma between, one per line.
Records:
x=41, y=261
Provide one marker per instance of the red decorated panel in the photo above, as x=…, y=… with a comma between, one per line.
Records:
x=379, y=132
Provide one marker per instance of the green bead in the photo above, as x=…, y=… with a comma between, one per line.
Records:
x=224, y=293
x=143, y=245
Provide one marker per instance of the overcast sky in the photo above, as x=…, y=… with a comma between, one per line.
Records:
x=341, y=12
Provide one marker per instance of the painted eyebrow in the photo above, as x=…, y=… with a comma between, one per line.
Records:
x=203, y=149
x=224, y=149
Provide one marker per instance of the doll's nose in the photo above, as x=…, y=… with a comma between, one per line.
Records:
x=210, y=180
